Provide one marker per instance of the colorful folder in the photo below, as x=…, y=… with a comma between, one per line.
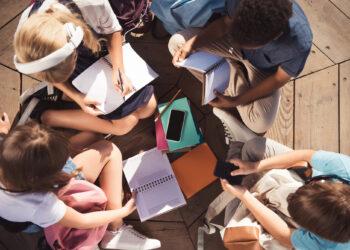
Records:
x=191, y=135
x=195, y=169
x=162, y=143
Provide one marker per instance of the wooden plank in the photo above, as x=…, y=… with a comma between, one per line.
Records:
x=343, y=5
x=315, y=62
x=282, y=129
x=331, y=28
x=6, y=44
x=212, y=241
x=316, y=111
x=9, y=9
x=159, y=58
x=199, y=203
x=14, y=241
x=173, y=236
x=344, y=94
x=9, y=91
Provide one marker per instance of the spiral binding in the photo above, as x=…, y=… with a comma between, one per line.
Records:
x=153, y=184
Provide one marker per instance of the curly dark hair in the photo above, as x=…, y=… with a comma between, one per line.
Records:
x=257, y=22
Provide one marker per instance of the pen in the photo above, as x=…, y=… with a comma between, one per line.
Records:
x=119, y=75
x=168, y=105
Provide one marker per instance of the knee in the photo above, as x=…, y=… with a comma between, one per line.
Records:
x=48, y=117
x=260, y=125
x=109, y=150
x=254, y=149
x=175, y=42
x=148, y=109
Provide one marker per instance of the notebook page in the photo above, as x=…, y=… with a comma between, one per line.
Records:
x=96, y=83
x=136, y=69
x=201, y=61
x=145, y=169
x=217, y=79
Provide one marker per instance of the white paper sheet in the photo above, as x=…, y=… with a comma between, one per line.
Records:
x=147, y=168
x=96, y=81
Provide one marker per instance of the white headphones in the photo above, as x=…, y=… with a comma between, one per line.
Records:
x=75, y=34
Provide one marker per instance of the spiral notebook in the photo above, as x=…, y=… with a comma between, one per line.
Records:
x=157, y=190
x=96, y=81
x=216, y=72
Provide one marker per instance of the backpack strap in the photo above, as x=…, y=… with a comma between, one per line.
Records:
x=214, y=209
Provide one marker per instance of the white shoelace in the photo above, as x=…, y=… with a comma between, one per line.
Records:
x=134, y=232
x=228, y=137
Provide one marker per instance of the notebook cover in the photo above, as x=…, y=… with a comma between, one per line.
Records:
x=191, y=135
x=195, y=169
x=162, y=143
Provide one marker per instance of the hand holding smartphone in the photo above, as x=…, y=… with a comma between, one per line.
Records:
x=223, y=170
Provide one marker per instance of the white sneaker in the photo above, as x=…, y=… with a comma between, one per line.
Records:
x=233, y=128
x=128, y=238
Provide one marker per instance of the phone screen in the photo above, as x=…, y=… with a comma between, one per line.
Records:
x=175, y=125
x=223, y=170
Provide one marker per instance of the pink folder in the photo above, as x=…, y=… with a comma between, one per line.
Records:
x=162, y=143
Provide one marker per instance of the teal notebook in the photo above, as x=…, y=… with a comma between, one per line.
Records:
x=191, y=135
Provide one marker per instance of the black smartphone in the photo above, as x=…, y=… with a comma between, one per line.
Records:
x=175, y=125
x=223, y=170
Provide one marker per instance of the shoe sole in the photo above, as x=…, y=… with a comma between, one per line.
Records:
x=238, y=131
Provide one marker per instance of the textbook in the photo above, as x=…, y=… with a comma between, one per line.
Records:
x=194, y=170
x=151, y=176
x=191, y=135
x=96, y=81
x=216, y=72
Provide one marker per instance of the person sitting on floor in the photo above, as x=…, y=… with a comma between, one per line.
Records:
x=266, y=44
x=48, y=26
x=321, y=207
x=35, y=163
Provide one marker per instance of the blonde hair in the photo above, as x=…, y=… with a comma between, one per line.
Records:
x=43, y=33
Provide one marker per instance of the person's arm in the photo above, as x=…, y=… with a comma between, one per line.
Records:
x=271, y=222
x=264, y=88
x=5, y=124
x=296, y=158
x=75, y=219
x=115, y=43
x=87, y=105
x=213, y=31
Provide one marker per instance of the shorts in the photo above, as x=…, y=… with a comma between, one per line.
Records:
x=70, y=167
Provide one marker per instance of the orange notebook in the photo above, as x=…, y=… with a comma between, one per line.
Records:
x=195, y=169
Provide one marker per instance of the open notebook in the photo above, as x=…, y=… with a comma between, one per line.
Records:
x=96, y=81
x=151, y=176
x=216, y=72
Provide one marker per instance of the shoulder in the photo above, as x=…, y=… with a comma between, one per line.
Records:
x=324, y=162
x=300, y=29
x=303, y=239
x=91, y=3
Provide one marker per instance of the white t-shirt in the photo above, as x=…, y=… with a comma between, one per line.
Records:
x=98, y=14
x=43, y=209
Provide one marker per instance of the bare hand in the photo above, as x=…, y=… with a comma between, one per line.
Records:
x=130, y=206
x=5, y=124
x=245, y=167
x=89, y=106
x=237, y=191
x=122, y=83
x=223, y=101
x=183, y=52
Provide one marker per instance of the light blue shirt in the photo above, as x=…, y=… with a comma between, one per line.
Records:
x=323, y=163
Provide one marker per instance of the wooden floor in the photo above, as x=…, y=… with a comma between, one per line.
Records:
x=315, y=110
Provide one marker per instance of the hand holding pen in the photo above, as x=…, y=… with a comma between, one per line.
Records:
x=121, y=82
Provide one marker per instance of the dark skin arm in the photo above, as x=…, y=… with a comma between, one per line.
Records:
x=213, y=31
x=266, y=87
